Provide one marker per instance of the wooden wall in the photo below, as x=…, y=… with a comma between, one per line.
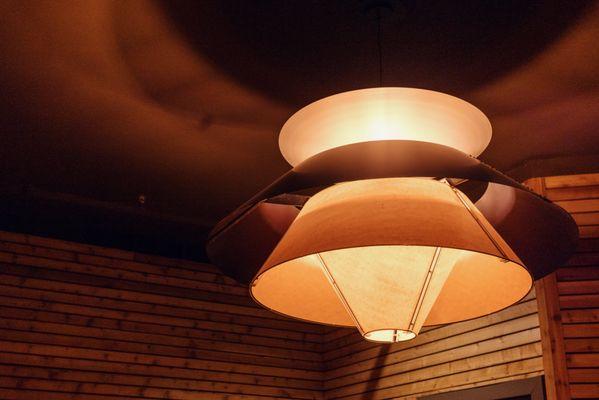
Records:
x=502, y=346
x=83, y=322
x=578, y=285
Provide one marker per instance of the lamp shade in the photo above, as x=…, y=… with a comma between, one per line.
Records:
x=385, y=113
x=389, y=256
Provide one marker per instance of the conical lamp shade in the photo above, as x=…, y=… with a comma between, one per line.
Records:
x=389, y=256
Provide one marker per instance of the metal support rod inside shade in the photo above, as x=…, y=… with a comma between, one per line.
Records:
x=339, y=293
x=422, y=294
x=482, y=226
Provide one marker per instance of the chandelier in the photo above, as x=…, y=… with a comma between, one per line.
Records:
x=387, y=222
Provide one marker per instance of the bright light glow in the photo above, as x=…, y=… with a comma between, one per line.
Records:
x=390, y=336
x=384, y=114
x=389, y=256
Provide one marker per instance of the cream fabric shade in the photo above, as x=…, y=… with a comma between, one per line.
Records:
x=385, y=113
x=389, y=256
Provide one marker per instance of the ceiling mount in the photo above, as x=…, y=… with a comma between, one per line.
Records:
x=384, y=9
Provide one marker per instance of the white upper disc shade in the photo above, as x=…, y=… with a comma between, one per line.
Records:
x=386, y=113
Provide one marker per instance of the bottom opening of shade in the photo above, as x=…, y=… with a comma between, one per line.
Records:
x=389, y=335
x=389, y=292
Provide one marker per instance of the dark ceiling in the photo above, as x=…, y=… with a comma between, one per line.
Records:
x=139, y=124
x=300, y=51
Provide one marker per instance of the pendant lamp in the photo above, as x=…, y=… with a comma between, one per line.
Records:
x=387, y=222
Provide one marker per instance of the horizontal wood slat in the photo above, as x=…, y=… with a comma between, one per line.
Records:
x=588, y=218
x=584, y=375
x=578, y=287
x=564, y=181
x=589, y=231
x=573, y=193
x=582, y=345
x=581, y=330
x=579, y=301
x=585, y=391
x=579, y=206
x=578, y=273
x=582, y=360
x=581, y=316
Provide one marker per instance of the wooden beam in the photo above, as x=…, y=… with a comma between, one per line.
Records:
x=550, y=323
x=552, y=339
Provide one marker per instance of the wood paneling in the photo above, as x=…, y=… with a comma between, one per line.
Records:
x=85, y=322
x=466, y=354
x=576, y=291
